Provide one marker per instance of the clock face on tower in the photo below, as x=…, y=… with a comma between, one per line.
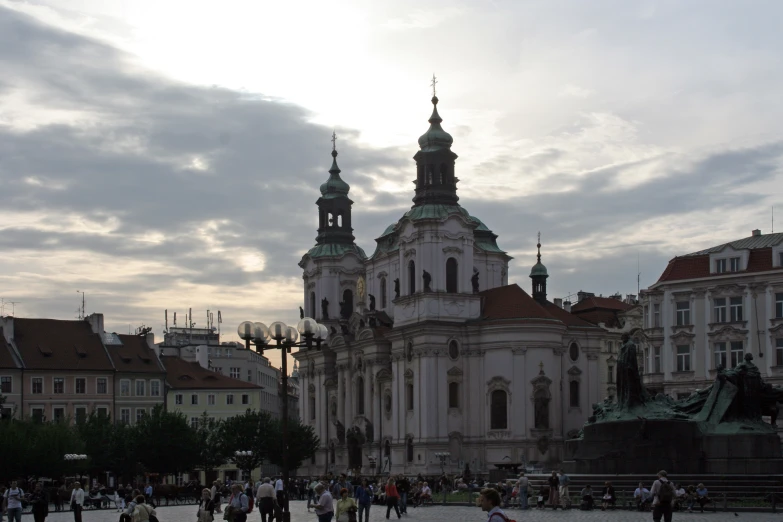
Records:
x=360, y=287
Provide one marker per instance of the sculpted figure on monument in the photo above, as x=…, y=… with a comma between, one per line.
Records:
x=397, y=288
x=475, y=280
x=324, y=308
x=372, y=302
x=427, y=280
x=630, y=392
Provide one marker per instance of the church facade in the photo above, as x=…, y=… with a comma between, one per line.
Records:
x=432, y=350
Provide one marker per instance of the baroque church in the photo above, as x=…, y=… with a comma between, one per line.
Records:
x=431, y=349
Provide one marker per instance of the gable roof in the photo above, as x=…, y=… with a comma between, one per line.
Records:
x=603, y=303
x=570, y=319
x=185, y=375
x=695, y=266
x=51, y=344
x=7, y=361
x=746, y=243
x=510, y=302
x=134, y=355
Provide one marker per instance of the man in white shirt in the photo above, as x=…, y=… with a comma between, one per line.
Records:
x=663, y=494
x=77, y=501
x=643, y=497
x=522, y=484
x=489, y=501
x=265, y=498
x=13, y=499
x=282, y=499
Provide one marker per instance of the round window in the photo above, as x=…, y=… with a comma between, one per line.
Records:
x=387, y=403
x=453, y=349
x=409, y=352
x=573, y=351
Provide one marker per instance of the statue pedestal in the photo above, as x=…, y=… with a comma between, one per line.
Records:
x=646, y=446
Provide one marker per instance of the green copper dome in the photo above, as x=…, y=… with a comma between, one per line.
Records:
x=539, y=270
x=334, y=186
x=435, y=138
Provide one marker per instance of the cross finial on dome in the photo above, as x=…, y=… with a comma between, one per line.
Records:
x=539, y=247
x=433, y=83
x=541, y=368
x=334, y=142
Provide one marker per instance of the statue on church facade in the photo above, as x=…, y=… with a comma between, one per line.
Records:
x=345, y=311
x=324, y=309
x=372, y=302
x=397, y=288
x=475, y=280
x=301, y=313
x=427, y=280
x=629, y=383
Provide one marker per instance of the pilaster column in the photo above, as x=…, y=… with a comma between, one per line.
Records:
x=341, y=394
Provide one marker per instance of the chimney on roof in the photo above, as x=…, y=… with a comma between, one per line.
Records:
x=150, y=338
x=559, y=302
x=7, y=327
x=616, y=296
x=202, y=356
x=567, y=306
x=630, y=299
x=96, y=322
x=756, y=232
x=580, y=296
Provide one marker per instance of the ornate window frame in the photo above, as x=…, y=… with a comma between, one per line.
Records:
x=454, y=375
x=542, y=384
x=448, y=348
x=494, y=384
x=574, y=375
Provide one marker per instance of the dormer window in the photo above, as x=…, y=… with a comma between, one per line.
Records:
x=734, y=264
x=720, y=266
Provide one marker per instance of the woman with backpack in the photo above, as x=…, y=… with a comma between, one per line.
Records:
x=364, y=498
x=206, y=507
x=238, y=505
x=143, y=512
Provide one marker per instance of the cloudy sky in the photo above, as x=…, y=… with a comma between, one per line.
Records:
x=167, y=155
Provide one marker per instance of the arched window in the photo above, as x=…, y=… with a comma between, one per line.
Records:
x=409, y=449
x=574, y=393
x=409, y=396
x=573, y=351
x=453, y=395
x=312, y=305
x=411, y=277
x=331, y=219
x=360, y=396
x=347, y=309
x=453, y=350
x=339, y=220
x=498, y=411
x=451, y=275
x=383, y=293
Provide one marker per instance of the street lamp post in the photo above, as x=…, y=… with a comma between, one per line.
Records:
x=75, y=457
x=285, y=337
x=443, y=456
x=240, y=458
x=372, y=460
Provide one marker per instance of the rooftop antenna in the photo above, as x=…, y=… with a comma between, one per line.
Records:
x=13, y=306
x=638, y=275
x=773, y=219
x=220, y=320
x=175, y=319
x=166, y=314
x=81, y=310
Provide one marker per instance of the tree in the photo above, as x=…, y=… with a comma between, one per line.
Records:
x=124, y=453
x=96, y=433
x=50, y=441
x=251, y=431
x=211, y=447
x=302, y=443
x=165, y=442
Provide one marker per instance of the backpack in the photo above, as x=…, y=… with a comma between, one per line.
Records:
x=502, y=516
x=249, y=504
x=666, y=492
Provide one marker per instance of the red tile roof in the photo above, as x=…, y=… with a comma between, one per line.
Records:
x=185, y=375
x=606, y=303
x=7, y=361
x=698, y=266
x=570, y=319
x=511, y=303
x=49, y=344
x=134, y=355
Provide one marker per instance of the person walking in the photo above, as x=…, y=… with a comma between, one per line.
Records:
x=392, y=498
x=281, y=493
x=40, y=503
x=324, y=509
x=403, y=488
x=364, y=498
x=489, y=501
x=522, y=485
x=77, y=501
x=565, y=497
x=206, y=507
x=554, y=490
x=215, y=492
x=663, y=495
x=12, y=499
x=345, y=506
x=240, y=504
x=265, y=498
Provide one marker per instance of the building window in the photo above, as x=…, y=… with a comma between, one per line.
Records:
x=779, y=306
x=779, y=352
x=125, y=415
x=245, y=398
x=735, y=309
x=37, y=414
x=140, y=388
x=656, y=359
x=409, y=449
x=58, y=414
x=59, y=385
x=194, y=422
x=409, y=396
x=734, y=264
x=683, y=313
x=737, y=352
x=250, y=376
x=383, y=293
x=453, y=350
x=140, y=413
x=101, y=385
x=409, y=352
x=683, y=358
x=194, y=399
x=574, y=393
x=102, y=411
x=230, y=399
x=347, y=305
x=154, y=388
x=720, y=310
x=610, y=373
x=411, y=277
x=453, y=395
x=498, y=411
x=360, y=395
x=125, y=388
x=311, y=407
x=211, y=399
x=228, y=352
x=234, y=373
x=573, y=351
x=81, y=385
x=451, y=275
x=720, y=266
x=5, y=385
x=37, y=385
x=721, y=357
x=657, y=315
x=178, y=398
x=610, y=346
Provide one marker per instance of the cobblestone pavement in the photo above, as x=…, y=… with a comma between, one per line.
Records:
x=187, y=513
